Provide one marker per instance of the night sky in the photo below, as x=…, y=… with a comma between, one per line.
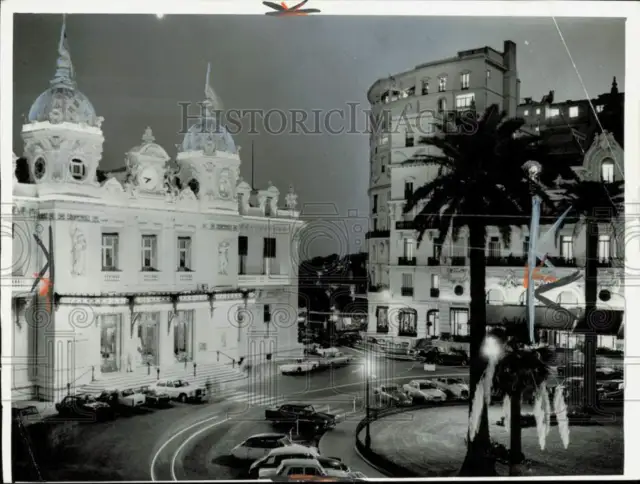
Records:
x=135, y=69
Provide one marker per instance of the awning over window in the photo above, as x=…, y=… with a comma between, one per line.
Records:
x=605, y=321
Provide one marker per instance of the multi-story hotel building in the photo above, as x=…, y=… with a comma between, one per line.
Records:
x=171, y=269
x=419, y=292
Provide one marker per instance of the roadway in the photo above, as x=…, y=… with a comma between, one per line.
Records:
x=201, y=451
x=191, y=441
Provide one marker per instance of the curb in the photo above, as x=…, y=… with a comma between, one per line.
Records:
x=371, y=464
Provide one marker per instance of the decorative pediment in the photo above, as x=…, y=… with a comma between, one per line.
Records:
x=112, y=187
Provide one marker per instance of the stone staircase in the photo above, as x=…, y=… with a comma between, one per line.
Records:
x=221, y=376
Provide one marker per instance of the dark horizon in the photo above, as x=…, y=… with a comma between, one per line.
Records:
x=135, y=69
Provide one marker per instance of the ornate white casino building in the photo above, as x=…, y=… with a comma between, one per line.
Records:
x=183, y=268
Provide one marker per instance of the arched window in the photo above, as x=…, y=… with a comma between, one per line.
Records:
x=607, y=170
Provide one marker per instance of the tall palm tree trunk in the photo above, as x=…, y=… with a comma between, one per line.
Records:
x=515, y=448
x=477, y=461
x=591, y=299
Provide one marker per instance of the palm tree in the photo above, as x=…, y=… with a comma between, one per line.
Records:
x=480, y=182
x=595, y=203
x=523, y=367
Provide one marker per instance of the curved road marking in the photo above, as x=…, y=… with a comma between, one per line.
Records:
x=172, y=438
x=189, y=439
x=200, y=422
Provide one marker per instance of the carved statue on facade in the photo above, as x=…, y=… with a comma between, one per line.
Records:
x=171, y=183
x=291, y=199
x=223, y=258
x=78, y=250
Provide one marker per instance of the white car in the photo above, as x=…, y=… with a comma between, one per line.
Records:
x=424, y=391
x=453, y=387
x=300, y=468
x=260, y=445
x=336, y=359
x=300, y=366
x=124, y=398
x=180, y=390
x=267, y=466
x=327, y=351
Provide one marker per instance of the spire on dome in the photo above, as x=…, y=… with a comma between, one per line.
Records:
x=212, y=101
x=64, y=68
x=148, y=137
x=614, y=86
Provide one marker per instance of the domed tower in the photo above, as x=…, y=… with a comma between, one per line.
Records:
x=208, y=158
x=62, y=137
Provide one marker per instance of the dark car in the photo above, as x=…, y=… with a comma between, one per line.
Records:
x=437, y=356
x=155, y=398
x=304, y=416
x=84, y=405
x=611, y=391
x=25, y=415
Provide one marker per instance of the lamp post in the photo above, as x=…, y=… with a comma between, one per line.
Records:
x=532, y=170
x=367, y=435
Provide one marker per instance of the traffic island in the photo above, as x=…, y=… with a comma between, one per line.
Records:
x=430, y=442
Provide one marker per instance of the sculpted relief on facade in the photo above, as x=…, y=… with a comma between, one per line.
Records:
x=78, y=250
x=223, y=258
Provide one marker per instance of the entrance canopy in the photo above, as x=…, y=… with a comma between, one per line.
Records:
x=603, y=321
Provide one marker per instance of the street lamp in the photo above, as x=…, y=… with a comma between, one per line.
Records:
x=532, y=170
x=368, y=376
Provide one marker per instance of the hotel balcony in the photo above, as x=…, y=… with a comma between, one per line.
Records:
x=257, y=280
x=111, y=277
x=406, y=261
x=406, y=291
x=271, y=274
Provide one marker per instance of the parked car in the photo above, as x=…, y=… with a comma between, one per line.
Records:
x=424, y=391
x=155, y=398
x=392, y=394
x=180, y=390
x=300, y=366
x=266, y=467
x=122, y=399
x=453, y=387
x=349, y=339
x=328, y=351
x=334, y=467
x=305, y=415
x=336, y=359
x=25, y=416
x=258, y=446
x=297, y=469
x=612, y=391
x=84, y=405
x=438, y=356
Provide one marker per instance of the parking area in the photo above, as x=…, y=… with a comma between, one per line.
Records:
x=58, y=448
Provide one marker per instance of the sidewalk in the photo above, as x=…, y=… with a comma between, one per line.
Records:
x=341, y=442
